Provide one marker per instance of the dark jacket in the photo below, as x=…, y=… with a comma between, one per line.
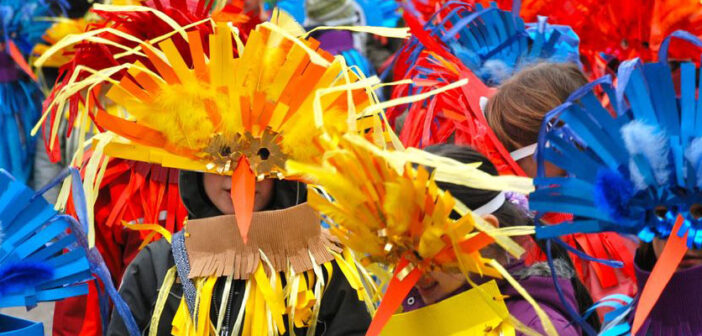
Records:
x=341, y=312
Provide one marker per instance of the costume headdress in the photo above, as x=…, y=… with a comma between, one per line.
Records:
x=223, y=106
x=613, y=31
x=22, y=24
x=363, y=186
x=44, y=255
x=106, y=44
x=633, y=166
x=486, y=35
x=485, y=45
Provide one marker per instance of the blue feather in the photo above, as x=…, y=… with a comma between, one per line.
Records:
x=612, y=194
x=19, y=276
x=651, y=142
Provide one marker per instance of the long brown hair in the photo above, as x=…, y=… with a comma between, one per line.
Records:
x=516, y=111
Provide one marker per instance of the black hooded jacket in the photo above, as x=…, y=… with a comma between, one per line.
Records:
x=341, y=312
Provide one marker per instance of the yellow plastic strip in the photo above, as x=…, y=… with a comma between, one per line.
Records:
x=274, y=300
x=317, y=105
x=161, y=300
x=415, y=98
x=545, y=321
x=150, y=227
x=505, y=242
x=401, y=33
x=203, y=310
x=90, y=36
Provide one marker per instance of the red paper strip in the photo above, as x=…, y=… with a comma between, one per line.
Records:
x=396, y=293
x=243, y=192
x=667, y=263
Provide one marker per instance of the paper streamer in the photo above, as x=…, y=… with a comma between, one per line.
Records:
x=667, y=263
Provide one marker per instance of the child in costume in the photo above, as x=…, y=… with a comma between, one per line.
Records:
x=278, y=203
x=359, y=191
x=452, y=46
x=208, y=102
x=634, y=167
x=516, y=113
x=497, y=209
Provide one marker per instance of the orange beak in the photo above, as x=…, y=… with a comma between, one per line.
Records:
x=19, y=59
x=243, y=193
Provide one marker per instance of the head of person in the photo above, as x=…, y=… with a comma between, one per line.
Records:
x=497, y=210
x=516, y=111
x=491, y=205
x=208, y=195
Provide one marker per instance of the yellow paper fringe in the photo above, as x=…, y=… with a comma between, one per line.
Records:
x=163, y=294
x=545, y=320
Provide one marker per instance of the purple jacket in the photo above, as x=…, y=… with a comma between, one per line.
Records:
x=678, y=310
x=541, y=288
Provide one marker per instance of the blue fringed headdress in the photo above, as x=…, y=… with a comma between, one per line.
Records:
x=633, y=173
x=32, y=265
x=44, y=255
x=495, y=43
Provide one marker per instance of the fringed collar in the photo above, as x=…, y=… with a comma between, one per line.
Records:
x=293, y=235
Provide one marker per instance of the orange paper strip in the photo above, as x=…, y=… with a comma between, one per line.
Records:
x=667, y=263
x=397, y=291
x=19, y=59
x=243, y=192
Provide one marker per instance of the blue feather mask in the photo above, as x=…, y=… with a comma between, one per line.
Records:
x=635, y=164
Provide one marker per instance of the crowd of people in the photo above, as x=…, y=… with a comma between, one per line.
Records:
x=351, y=167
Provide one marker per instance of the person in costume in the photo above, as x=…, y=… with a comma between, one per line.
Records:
x=207, y=196
x=130, y=192
x=516, y=113
x=358, y=189
x=437, y=56
x=238, y=109
x=633, y=168
x=496, y=208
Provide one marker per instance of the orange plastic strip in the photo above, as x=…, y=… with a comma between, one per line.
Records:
x=396, y=293
x=243, y=192
x=130, y=130
x=19, y=59
x=667, y=263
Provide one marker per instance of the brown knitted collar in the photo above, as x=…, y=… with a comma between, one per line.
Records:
x=291, y=235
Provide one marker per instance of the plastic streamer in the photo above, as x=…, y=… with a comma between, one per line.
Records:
x=97, y=264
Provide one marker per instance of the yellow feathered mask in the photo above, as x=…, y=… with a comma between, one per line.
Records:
x=239, y=110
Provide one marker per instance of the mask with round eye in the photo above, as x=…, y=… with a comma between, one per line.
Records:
x=264, y=154
x=664, y=217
